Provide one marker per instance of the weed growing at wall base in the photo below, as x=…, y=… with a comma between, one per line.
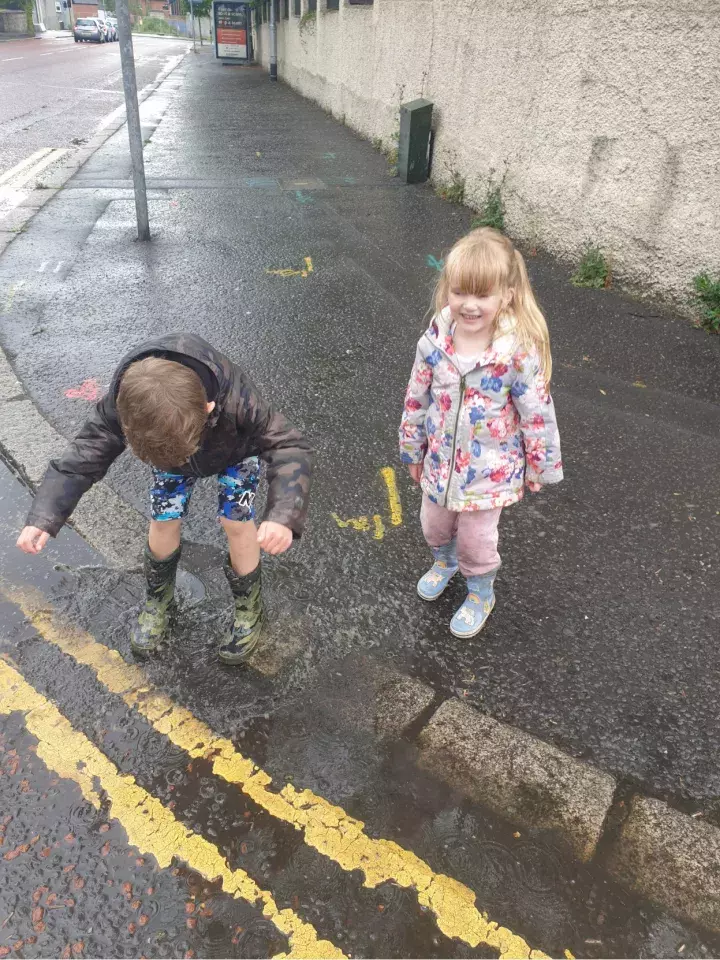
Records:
x=593, y=270
x=454, y=191
x=707, y=296
x=492, y=213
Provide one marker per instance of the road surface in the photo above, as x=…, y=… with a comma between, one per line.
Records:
x=56, y=92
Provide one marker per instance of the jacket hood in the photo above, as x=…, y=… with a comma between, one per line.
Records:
x=184, y=345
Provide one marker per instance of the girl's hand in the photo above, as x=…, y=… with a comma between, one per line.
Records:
x=274, y=537
x=416, y=471
x=534, y=487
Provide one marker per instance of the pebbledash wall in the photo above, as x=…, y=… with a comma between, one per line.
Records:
x=600, y=117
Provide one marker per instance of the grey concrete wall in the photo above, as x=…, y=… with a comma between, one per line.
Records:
x=602, y=117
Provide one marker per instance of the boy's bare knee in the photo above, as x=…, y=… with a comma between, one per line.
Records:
x=239, y=529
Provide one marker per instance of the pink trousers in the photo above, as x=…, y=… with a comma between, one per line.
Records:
x=476, y=532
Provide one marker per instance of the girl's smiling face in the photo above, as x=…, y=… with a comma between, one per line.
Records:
x=474, y=315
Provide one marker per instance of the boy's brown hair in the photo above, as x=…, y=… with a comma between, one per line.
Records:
x=163, y=411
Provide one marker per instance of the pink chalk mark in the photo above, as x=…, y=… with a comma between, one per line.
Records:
x=89, y=390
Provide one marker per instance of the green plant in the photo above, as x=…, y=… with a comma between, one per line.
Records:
x=707, y=297
x=377, y=144
x=155, y=25
x=492, y=212
x=593, y=270
x=454, y=190
x=308, y=18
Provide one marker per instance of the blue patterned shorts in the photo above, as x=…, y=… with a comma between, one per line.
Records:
x=237, y=487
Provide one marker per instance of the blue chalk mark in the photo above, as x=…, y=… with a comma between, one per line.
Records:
x=302, y=197
x=436, y=264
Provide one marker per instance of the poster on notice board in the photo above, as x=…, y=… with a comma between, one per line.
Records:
x=232, y=30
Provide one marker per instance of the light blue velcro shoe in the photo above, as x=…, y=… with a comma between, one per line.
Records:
x=472, y=615
x=434, y=582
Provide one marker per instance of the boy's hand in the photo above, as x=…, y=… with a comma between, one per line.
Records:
x=32, y=539
x=534, y=487
x=416, y=471
x=274, y=537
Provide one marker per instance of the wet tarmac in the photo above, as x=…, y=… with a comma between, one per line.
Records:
x=607, y=594
x=75, y=883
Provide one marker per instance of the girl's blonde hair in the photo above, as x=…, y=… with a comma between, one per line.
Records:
x=486, y=262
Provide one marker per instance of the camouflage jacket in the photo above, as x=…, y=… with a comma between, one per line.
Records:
x=241, y=425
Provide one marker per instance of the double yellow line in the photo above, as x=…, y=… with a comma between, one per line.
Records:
x=326, y=828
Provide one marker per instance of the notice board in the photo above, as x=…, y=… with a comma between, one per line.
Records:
x=231, y=22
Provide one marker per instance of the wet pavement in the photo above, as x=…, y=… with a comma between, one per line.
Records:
x=608, y=591
x=97, y=808
x=607, y=594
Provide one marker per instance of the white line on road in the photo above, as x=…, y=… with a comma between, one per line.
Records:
x=48, y=54
x=57, y=268
x=27, y=162
x=8, y=59
x=41, y=268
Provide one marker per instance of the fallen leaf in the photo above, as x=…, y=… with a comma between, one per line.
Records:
x=639, y=383
x=603, y=393
x=143, y=919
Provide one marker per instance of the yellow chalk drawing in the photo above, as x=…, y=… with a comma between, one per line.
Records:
x=150, y=826
x=288, y=272
x=394, y=509
x=325, y=827
x=388, y=475
x=357, y=523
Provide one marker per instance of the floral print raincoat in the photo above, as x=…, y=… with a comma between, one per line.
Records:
x=484, y=434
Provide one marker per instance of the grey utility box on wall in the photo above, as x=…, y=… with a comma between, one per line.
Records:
x=414, y=146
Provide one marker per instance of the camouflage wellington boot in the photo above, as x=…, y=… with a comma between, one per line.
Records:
x=153, y=626
x=243, y=636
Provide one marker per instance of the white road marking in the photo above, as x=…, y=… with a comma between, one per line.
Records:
x=57, y=268
x=48, y=54
x=14, y=184
x=41, y=268
x=8, y=59
x=28, y=161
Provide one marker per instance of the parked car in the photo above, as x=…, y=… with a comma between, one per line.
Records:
x=89, y=28
x=112, y=24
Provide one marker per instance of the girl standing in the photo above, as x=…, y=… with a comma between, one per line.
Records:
x=479, y=423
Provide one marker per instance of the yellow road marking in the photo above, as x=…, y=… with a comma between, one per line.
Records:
x=379, y=527
x=388, y=475
x=327, y=828
x=150, y=827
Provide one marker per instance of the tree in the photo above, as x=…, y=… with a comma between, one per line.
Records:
x=200, y=9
